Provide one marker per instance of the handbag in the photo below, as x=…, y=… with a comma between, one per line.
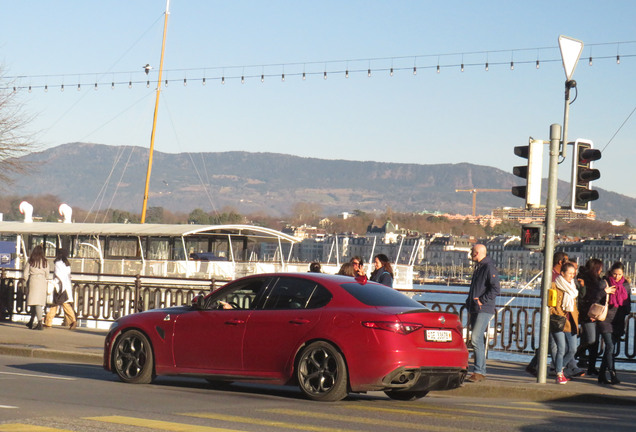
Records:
x=597, y=311
x=552, y=297
x=60, y=297
x=557, y=323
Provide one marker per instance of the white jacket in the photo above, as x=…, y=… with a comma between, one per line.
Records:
x=63, y=272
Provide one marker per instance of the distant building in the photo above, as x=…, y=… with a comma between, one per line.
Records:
x=537, y=215
x=609, y=250
x=447, y=250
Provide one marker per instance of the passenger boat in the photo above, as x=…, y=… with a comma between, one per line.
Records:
x=221, y=252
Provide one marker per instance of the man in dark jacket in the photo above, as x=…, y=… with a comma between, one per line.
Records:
x=484, y=289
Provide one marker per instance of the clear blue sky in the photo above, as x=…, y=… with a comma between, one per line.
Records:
x=473, y=116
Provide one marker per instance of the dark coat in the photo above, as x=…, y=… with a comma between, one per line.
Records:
x=382, y=276
x=485, y=286
x=594, y=289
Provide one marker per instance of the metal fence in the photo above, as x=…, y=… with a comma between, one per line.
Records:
x=515, y=327
x=108, y=300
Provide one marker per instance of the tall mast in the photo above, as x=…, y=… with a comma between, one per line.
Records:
x=154, y=119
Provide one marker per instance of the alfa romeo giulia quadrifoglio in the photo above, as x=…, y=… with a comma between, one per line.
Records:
x=329, y=335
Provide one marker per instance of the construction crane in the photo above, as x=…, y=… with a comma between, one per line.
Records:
x=474, y=192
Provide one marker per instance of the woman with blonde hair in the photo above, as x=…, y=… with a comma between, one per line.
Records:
x=564, y=319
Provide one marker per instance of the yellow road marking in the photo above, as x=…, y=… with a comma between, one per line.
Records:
x=363, y=420
x=507, y=407
x=158, y=424
x=462, y=414
x=263, y=422
x=17, y=427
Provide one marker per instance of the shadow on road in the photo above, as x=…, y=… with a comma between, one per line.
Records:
x=74, y=370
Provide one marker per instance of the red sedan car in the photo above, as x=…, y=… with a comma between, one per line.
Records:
x=330, y=335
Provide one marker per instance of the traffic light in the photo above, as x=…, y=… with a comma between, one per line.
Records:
x=532, y=236
x=583, y=174
x=531, y=192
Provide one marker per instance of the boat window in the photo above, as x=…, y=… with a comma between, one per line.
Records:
x=218, y=247
x=178, y=253
x=158, y=249
x=196, y=245
x=86, y=247
x=122, y=248
x=297, y=293
x=47, y=242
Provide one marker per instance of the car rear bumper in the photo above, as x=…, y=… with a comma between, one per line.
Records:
x=424, y=378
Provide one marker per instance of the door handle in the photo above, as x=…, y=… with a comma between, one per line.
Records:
x=235, y=322
x=299, y=321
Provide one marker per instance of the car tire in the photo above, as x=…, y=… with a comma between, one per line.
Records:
x=405, y=395
x=133, y=360
x=322, y=372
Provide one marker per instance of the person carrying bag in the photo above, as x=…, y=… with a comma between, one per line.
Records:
x=63, y=296
x=564, y=319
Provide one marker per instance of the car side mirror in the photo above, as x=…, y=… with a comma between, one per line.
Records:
x=197, y=302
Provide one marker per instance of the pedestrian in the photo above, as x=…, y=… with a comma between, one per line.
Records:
x=35, y=275
x=613, y=327
x=595, y=287
x=314, y=267
x=358, y=267
x=564, y=319
x=347, y=269
x=558, y=259
x=484, y=289
x=62, y=271
x=383, y=272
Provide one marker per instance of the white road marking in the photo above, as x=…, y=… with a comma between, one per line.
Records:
x=8, y=407
x=38, y=376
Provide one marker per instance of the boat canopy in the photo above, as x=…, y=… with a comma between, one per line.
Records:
x=141, y=230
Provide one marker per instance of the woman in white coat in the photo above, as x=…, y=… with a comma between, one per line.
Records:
x=35, y=274
x=62, y=273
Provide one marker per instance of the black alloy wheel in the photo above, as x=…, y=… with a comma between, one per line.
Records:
x=322, y=372
x=133, y=359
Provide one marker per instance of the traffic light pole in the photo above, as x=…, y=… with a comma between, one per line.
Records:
x=569, y=84
x=550, y=221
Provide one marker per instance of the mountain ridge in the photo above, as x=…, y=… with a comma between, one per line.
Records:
x=91, y=176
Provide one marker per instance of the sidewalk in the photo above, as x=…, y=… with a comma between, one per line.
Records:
x=505, y=379
x=57, y=343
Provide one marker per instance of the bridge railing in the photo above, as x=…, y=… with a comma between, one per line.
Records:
x=108, y=297
x=515, y=326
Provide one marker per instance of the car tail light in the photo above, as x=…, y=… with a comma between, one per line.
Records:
x=395, y=327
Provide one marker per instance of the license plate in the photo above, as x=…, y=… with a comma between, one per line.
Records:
x=439, y=335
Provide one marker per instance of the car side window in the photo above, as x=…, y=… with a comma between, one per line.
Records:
x=242, y=294
x=296, y=293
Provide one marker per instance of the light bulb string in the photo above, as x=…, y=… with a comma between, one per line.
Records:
x=260, y=70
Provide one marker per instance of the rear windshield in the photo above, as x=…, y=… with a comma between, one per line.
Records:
x=379, y=295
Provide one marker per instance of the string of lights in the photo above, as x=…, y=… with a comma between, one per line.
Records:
x=484, y=60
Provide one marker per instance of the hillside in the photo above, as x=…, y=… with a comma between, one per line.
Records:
x=93, y=175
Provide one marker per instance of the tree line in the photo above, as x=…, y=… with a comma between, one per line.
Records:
x=303, y=213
